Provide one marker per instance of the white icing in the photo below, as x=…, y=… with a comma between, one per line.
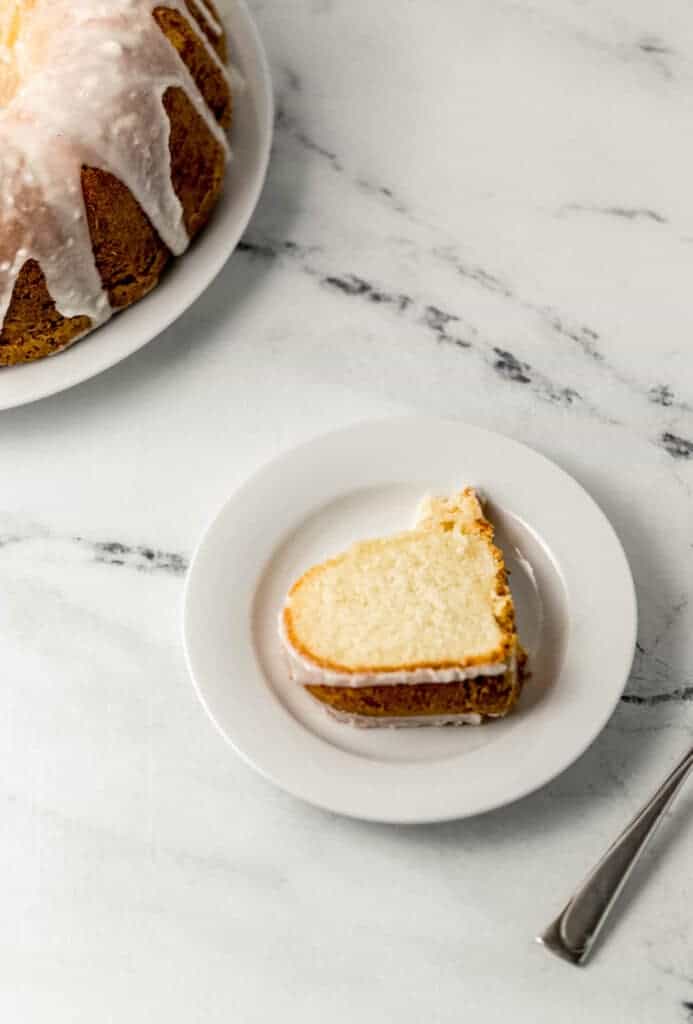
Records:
x=202, y=8
x=309, y=673
x=395, y=722
x=93, y=98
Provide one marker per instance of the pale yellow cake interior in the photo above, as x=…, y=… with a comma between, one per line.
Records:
x=429, y=596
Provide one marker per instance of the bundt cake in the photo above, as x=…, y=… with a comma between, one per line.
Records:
x=113, y=149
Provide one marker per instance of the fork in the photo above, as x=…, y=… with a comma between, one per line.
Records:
x=572, y=935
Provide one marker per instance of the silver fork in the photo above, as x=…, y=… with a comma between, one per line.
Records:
x=572, y=935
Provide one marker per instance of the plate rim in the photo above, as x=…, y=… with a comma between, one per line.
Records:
x=233, y=12
x=420, y=816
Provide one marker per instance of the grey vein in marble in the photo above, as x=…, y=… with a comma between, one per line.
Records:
x=648, y=50
x=585, y=337
x=581, y=334
x=284, y=121
x=657, y=51
x=351, y=284
x=138, y=557
x=661, y=394
x=257, y=250
x=440, y=323
x=382, y=192
x=472, y=272
x=10, y=538
x=653, y=679
x=268, y=251
x=681, y=695
x=504, y=363
x=651, y=45
x=509, y=366
x=678, y=447
x=622, y=212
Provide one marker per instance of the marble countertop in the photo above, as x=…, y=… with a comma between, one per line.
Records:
x=479, y=210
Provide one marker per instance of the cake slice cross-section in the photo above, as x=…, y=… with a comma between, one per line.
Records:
x=413, y=629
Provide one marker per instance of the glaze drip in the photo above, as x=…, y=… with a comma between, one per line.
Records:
x=89, y=79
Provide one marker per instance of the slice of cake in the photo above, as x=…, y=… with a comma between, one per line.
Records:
x=413, y=629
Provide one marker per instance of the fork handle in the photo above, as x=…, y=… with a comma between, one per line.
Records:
x=573, y=933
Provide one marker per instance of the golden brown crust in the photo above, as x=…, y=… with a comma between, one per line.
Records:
x=213, y=10
x=129, y=254
x=33, y=327
x=198, y=161
x=217, y=40
x=484, y=695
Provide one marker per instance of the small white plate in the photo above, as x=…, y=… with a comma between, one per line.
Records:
x=572, y=585
x=187, y=278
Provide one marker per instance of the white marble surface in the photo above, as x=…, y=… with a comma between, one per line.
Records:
x=477, y=209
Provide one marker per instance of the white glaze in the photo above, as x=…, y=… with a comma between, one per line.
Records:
x=397, y=722
x=96, y=100
x=202, y=9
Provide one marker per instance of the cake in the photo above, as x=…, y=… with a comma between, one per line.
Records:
x=113, y=148
x=413, y=629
